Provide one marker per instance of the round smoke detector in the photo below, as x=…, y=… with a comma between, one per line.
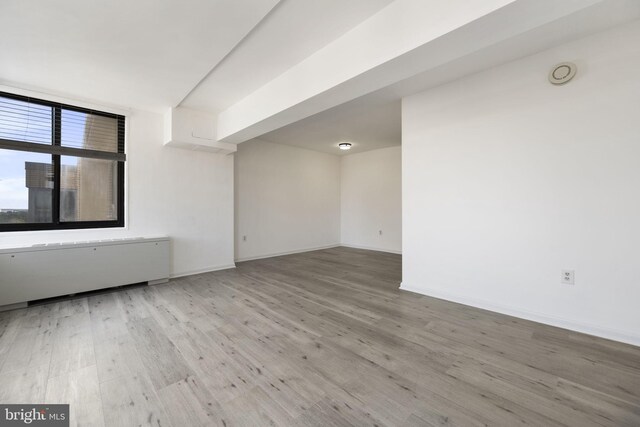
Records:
x=562, y=73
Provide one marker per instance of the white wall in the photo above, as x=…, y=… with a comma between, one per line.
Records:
x=371, y=200
x=287, y=199
x=184, y=194
x=507, y=180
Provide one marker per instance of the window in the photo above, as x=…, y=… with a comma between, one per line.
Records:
x=61, y=166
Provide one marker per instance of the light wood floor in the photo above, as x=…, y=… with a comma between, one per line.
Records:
x=323, y=338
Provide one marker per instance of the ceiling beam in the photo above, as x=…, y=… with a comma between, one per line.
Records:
x=406, y=38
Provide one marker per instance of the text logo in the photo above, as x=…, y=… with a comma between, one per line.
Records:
x=34, y=415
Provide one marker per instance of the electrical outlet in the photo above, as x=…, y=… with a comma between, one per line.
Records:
x=568, y=277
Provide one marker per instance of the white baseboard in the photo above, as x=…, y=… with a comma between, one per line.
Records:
x=627, y=337
x=202, y=270
x=371, y=248
x=297, y=251
x=13, y=306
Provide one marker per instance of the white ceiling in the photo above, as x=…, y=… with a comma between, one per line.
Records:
x=211, y=54
x=291, y=32
x=145, y=53
x=151, y=54
x=367, y=123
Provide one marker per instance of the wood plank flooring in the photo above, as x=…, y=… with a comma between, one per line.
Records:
x=323, y=338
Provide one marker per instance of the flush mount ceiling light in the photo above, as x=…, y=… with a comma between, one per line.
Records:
x=345, y=146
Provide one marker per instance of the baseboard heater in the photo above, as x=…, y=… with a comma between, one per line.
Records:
x=46, y=271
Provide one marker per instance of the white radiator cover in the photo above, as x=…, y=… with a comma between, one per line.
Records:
x=45, y=271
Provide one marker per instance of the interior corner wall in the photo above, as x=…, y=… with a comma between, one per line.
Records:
x=182, y=194
x=508, y=180
x=287, y=200
x=371, y=200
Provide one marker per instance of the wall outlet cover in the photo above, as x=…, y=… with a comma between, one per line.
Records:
x=568, y=277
